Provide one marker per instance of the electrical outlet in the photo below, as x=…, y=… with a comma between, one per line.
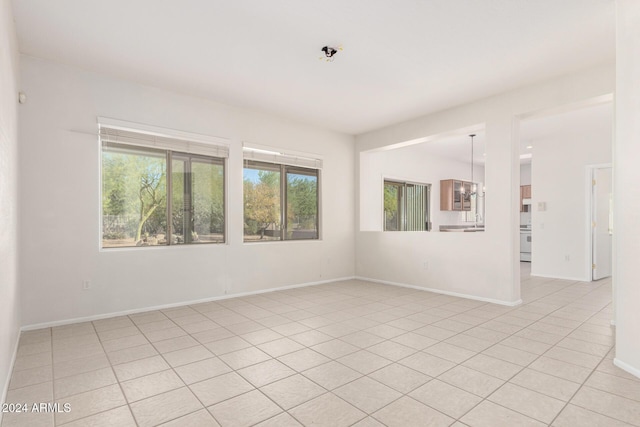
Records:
x=86, y=284
x=425, y=265
x=567, y=258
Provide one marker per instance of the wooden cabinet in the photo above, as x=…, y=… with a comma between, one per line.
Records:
x=525, y=193
x=454, y=195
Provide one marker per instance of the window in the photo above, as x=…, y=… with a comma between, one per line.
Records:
x=406, y=206
x=280, y=202
x=154, y=196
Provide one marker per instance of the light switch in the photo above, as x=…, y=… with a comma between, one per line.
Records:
x=542, y=206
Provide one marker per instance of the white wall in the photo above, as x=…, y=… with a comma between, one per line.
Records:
x=9, y=289
x=559, y=179
x=491, y=259
x=525, y=174
x=59, y=174
x=626, y=176
x=412, y=163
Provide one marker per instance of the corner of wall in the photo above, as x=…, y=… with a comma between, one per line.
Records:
x=9, y=241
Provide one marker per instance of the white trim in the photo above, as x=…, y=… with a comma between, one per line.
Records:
x=590, y=176
x=177, y=304
x=549, y=276
x=440, y=291
x=5, y=389
x=626, y=367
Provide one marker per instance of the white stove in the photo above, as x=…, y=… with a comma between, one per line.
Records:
x=525, y=244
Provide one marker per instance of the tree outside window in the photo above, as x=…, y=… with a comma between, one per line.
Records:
x=280, y=202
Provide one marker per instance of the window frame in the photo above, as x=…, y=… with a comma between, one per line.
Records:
x=206, y=159
x=283, y=170
x=402, y=210
x=168, y=158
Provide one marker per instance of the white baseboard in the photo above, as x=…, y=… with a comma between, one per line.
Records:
x=440, y=291
x=574, y=279
x=626, y=367
x=172, y=305
x=5, y=388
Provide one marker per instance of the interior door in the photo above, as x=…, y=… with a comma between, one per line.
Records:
x=601, y=227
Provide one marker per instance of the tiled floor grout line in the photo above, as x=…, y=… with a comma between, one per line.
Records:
x=407, y=394
x=115, y=376
x=541, y=355
x=582, y=384
x=93, y=414
x=470, y=309
x=524, y=367
x=367, y=375
x=171, y=368
x=330, y=360
x=235, y=371
x=507, y=381
x=399, y=300
x=302, y=372
x=110, y=366
x=418, y=351
x=402, y=394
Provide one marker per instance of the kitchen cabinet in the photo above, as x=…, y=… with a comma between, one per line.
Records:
x=525, y=193
x=454, y=195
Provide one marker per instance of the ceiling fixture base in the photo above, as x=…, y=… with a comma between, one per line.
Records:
x=329, y=53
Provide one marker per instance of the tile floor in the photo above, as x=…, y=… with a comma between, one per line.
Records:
x=344, y=354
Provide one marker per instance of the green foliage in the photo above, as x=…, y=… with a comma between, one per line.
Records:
x=390, y=199
x=302, y=202
x=134, y=187
x=391, y=214
x=208, y=198
x=262, y=203
x=135, y=196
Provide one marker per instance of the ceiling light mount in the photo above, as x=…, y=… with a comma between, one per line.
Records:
x=329, y=52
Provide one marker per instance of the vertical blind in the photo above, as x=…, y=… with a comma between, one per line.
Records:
x=416, y=207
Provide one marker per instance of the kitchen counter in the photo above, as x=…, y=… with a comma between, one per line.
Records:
x=461, y=228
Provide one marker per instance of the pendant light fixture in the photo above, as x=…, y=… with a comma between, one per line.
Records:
x=473, y=184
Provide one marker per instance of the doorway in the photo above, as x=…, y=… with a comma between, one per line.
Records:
x=601, y=213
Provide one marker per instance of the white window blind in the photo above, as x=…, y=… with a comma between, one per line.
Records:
x=120, y=136
x=269, y=156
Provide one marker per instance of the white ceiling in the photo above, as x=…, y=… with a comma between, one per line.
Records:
x=457, y=147
x=401, y=59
